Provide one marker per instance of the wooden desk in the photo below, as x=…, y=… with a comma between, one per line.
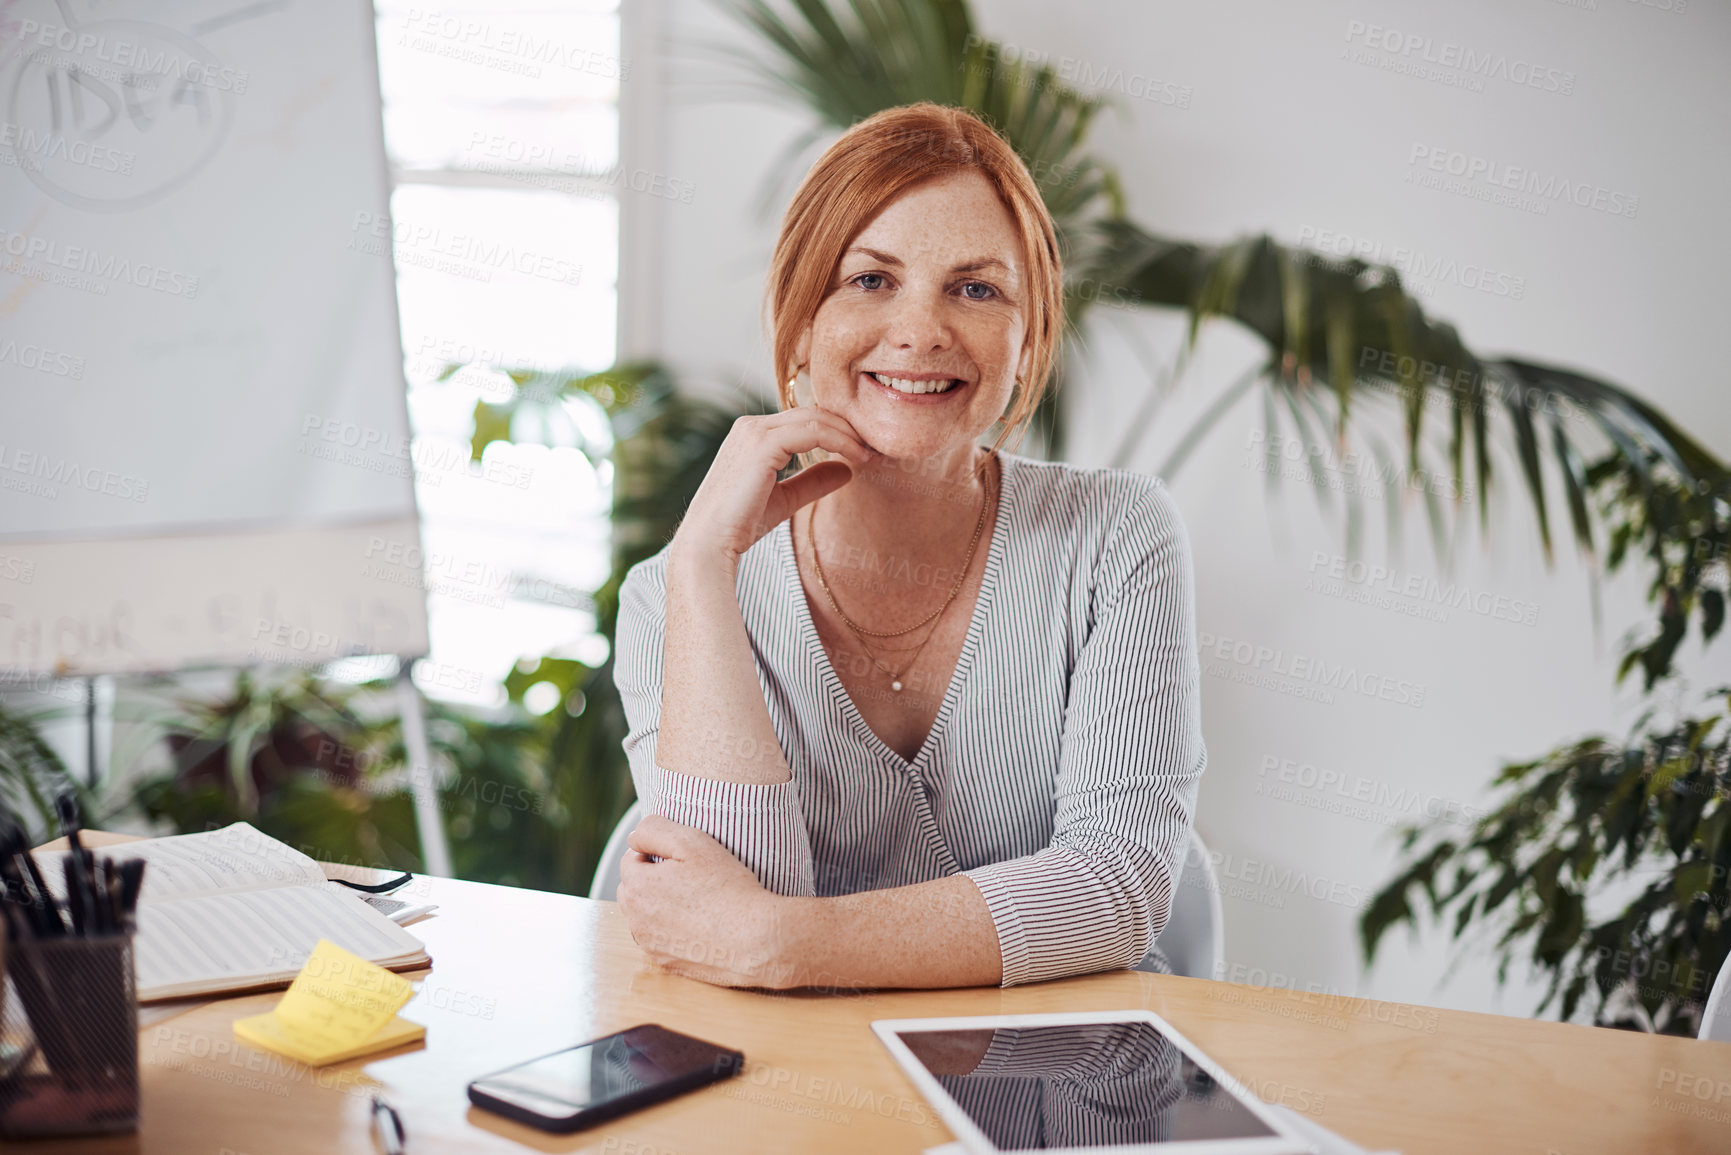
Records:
x=520, y=973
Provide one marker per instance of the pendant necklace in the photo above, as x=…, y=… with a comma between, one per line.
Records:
x=861, y=632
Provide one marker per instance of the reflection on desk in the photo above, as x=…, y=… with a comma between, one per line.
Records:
x=1086, y=1084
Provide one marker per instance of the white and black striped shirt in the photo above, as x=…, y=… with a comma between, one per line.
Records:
x=1061, y=772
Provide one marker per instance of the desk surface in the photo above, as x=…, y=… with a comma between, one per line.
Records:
x=519, y=973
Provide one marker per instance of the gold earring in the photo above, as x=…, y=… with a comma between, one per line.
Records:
x=799, y=386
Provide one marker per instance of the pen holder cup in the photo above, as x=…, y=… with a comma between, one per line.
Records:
x=69, y=1037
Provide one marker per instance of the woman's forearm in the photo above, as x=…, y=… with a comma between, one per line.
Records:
x=714, y=723
x=932, y=934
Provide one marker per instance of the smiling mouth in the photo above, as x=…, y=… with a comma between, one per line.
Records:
x=908, y=385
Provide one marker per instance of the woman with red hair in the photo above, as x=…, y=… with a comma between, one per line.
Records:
x=925, y=713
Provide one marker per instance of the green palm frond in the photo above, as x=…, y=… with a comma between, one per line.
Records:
x=845, y=62
x=1350, y=331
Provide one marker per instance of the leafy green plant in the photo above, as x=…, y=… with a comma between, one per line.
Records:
x=663, y=444
x=1653, y=811
x=499, y=800
x=1598, y=816
x=290, y=754
x=32, y=775
x=1684, y=533
x=322, y=766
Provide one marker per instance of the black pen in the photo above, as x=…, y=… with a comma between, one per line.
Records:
x=101, y=909
x=67, y=805
x=388, y=1127
x=75, y=894
x=131, y=882
x=111, y=896
x=79, y=866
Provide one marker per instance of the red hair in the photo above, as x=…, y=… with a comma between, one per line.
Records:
x=872, y=164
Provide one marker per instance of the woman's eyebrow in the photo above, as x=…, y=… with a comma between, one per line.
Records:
x=972, y=266
x=874, y=254
x=982, y=263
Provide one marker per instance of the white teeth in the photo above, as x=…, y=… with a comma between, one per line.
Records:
x=903, y=385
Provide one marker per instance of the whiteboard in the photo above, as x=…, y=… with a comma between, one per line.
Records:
x=202, y=407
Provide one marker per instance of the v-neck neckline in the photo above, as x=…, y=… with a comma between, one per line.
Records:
x=831, y=681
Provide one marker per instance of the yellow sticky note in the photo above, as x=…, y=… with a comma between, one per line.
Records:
x=336, y=1007
x=267, y=1031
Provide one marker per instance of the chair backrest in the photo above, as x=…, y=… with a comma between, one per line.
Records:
x=606, y=884
x=1194, y=938
x=1193, y=941
x=1716, y=1019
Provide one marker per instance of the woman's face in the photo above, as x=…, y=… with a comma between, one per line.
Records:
x=932, y=292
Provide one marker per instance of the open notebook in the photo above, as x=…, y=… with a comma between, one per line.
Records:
x=234, y=909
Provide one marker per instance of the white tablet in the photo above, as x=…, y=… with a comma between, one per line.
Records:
x=1113, y=1081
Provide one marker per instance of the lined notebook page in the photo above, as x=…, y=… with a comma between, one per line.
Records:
x=205, y=943
x=237, y=857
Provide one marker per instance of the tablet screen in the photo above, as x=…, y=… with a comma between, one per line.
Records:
x=1090, y=1084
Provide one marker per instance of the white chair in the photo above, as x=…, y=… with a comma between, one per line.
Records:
x=606, y=884
x=1194, y=940
x=1716, y=1019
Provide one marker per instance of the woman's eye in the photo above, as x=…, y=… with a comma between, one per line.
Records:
x=876, y=280
x=986, y=292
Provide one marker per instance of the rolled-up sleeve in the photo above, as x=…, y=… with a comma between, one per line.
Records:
x=1130, y=760
x=762, y=825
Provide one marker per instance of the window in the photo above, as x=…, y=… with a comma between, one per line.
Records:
x=502, y=129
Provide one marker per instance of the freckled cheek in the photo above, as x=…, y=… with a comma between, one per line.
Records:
x=994, y=346
x=841, y=337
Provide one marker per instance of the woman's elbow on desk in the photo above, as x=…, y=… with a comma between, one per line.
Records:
x=702, y=914
x=699, y=911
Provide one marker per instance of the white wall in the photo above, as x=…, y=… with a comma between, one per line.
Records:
x=1279, y=132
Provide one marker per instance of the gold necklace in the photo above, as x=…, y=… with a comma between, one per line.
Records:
x=860, y=631
x=896, y=675
x=955, y=588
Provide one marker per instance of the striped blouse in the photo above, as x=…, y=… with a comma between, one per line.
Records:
x=1061, y=772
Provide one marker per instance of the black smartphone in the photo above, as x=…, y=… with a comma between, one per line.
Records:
x=598, y=1080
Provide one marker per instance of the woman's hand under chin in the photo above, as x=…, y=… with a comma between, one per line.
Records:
x=700, y=912
x=740, y=499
